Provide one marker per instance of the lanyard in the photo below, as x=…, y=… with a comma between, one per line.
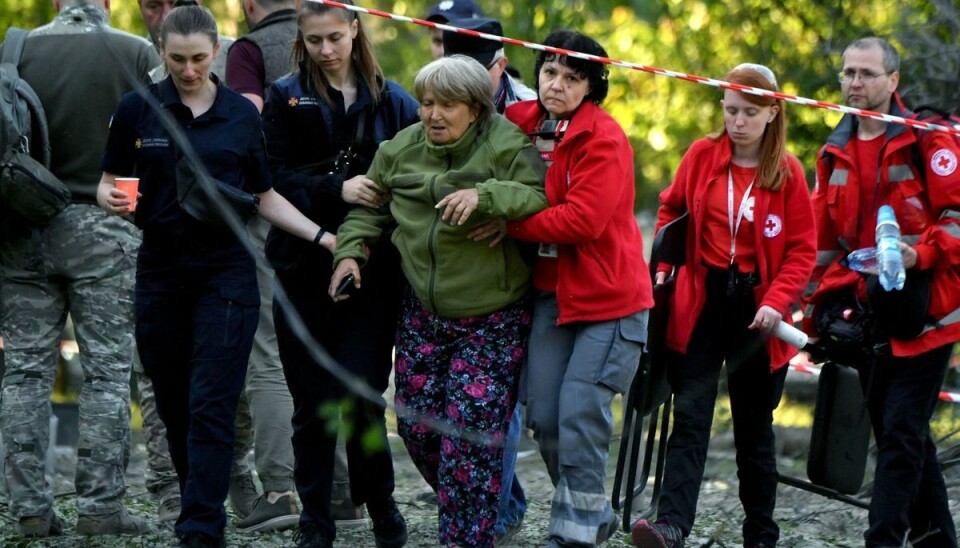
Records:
x=735, y=226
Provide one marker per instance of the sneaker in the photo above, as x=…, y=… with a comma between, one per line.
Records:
x=168, y=508
x=660, y=534
x=348, y=516
x=309, y=535
x=243, y=494
x=509, y=533
x=117, y=523
x=389, y=527
x=267, y=515
x=201, y=540
x=46, y=525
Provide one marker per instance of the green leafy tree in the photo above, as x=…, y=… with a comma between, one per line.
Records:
x=801, y=40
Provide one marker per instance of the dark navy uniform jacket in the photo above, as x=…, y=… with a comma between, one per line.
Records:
x=304, y=134
x=227, y=138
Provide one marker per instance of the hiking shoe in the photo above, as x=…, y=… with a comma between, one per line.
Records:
x=201, y=540
x=117, y=523
x=389, y=527
x=46, y=525
x=267, y=515
x=510, y=532
x=309, y=535
x=660, y=534
x=168, y=508
x=243, y=494
x=348, y=516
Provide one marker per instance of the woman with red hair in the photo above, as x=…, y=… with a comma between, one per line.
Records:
x=749, y=253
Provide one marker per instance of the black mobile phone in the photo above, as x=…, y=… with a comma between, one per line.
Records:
x=345, y=286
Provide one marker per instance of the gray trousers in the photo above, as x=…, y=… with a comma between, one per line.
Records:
x=583, y=365
x=81, y=263
x=266, y=405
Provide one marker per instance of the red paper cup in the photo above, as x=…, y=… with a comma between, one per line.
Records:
x=129, y=185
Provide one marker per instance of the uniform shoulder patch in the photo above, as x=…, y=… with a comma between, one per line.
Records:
x=943, y=162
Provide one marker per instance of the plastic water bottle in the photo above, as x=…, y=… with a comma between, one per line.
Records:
x=863, y=260
x=889, y=257
x=790, y=335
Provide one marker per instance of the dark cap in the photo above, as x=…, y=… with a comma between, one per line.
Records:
x=455, y=43
x=448, y=10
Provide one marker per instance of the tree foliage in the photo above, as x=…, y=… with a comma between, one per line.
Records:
x=801, y=40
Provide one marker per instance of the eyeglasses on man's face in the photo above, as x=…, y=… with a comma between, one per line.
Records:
x=866, y=76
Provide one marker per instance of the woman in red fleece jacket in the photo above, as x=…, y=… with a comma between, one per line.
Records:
x=750, y=251
x=590, y=313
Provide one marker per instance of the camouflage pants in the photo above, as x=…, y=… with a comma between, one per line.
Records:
x=81, y=263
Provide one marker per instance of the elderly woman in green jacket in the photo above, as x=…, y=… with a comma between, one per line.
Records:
x=466, y=318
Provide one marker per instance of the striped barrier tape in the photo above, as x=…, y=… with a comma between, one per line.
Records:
x=919, y=124
x=804, y=368
x=798, y=367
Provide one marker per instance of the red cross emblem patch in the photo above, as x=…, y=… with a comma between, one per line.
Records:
x=772, y=226
x=943, y=162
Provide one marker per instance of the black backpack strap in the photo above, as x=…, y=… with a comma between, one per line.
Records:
x=12, y=52
x=13, y=45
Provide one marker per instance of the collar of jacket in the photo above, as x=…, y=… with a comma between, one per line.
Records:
x=724, y=155
x=847, y=128
x=170, y=98
x=458, y=147
x=80, y=12
x=583, y=120
x=288, y=14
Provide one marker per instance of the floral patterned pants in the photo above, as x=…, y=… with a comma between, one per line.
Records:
x=456, y=385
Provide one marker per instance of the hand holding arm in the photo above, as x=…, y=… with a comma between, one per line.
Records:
x=362, y=191
x=491, y=228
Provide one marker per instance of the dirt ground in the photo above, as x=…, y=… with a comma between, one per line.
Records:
x=806, y=520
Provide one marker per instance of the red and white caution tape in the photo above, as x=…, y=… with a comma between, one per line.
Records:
x=653, y=70
x=809, y=369
x=950, y=396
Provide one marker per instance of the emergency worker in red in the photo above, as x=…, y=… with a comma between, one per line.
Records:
x=593, y=293
x=867, y=163
x=749, y=254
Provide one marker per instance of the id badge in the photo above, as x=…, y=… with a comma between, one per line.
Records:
x=547, y=250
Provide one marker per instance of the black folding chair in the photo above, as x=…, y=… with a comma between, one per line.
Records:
x=649, y=393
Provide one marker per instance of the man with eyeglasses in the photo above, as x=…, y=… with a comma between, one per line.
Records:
x=867, y=163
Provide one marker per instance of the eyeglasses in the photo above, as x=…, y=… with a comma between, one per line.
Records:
x=866, y=76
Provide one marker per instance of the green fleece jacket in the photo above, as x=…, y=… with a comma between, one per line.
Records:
x=453, y=276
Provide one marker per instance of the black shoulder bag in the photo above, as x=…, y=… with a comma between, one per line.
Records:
x=197, y=202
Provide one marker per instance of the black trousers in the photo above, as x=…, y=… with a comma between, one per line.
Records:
x=359, y=334
x=909, y=491
x=196, y=313
x=721, y=334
